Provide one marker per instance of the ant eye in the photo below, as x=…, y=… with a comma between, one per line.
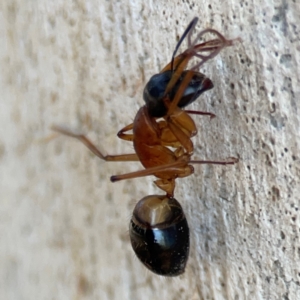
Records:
x=157, y=84
x=154, y=93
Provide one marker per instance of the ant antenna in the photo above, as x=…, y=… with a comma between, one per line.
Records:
x=188, y=29
x=212, y=46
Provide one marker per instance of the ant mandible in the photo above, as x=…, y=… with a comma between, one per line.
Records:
x=159, y=231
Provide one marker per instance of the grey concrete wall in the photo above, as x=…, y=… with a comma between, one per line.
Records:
x=64, y=225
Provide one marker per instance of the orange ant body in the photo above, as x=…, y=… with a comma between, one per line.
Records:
x=158, y=229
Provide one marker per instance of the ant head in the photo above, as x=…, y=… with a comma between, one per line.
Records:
x=154, y=91
x=176, y=83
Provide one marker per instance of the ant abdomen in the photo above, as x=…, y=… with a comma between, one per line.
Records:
x=154, y=91
x=159, y=235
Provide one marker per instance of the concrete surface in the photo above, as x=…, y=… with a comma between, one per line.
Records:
x=83, y=64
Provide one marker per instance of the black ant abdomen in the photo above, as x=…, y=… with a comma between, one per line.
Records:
x=154, y=91
x=159, y=235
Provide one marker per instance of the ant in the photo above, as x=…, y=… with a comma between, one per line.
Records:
x=159, y=231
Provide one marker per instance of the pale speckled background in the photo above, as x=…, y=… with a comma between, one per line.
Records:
x=63, y=224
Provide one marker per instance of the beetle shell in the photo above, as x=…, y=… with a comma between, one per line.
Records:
x=154, y=91
x=159, y=235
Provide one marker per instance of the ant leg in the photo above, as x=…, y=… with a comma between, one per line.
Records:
x=176, y=167
x=182, y=127
x=124, y=136
x=183, y=138
x=82, y=138
x=213, y=47
x=177, y=130
x=202, y=113
x=230, y=161
x=167, y=137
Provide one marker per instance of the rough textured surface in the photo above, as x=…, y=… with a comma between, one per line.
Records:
x=83, y=64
